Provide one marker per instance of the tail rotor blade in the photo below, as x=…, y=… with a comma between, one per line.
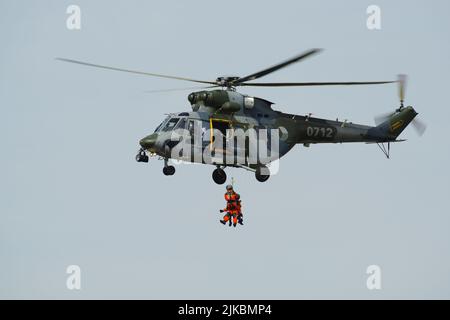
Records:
x=419, y=126
x=402, y=78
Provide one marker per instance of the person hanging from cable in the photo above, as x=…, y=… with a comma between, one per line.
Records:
x=233, y=213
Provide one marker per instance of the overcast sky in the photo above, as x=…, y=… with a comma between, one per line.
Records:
x=72, y=193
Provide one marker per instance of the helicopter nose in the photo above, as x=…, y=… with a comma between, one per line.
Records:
x=149, y=141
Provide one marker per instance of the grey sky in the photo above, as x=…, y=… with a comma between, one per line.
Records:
x=73, y=194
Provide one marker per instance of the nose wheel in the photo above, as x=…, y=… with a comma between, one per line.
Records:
x=262, y=174
x=168, y=170
x=141, y=156
x=219, y=176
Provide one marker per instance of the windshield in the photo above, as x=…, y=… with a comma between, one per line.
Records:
x=181, y=124
x=161, y=125
x=170, y=124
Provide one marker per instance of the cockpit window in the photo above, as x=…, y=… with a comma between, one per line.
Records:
x=158, y=127
x=170, y=124
x=161, y=124
x=181, y=124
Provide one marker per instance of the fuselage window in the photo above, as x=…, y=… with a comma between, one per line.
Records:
x=199, y=125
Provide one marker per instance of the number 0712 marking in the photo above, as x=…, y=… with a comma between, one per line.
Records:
x=319, y=132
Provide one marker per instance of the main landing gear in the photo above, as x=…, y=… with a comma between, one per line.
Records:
x=219, y=176
x=262, y=174
x=168, y=170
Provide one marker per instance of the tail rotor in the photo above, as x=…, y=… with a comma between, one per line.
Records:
x=418, y=125
x=401, y=80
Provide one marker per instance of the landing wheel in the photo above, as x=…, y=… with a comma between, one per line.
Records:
x=141, y=157
x=169, y=170
x=219, y=176
x=261, y=174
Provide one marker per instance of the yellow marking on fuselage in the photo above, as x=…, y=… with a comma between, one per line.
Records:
x=211, y=134
x=396, y=125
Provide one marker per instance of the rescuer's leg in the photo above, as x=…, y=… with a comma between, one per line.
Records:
x=229, y=218
x=234, y=220
x=225, y=219
x=240, y=219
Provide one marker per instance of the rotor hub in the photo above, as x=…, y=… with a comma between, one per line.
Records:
x=226, y=81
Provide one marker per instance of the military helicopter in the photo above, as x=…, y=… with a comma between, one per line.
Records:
x=218, y=107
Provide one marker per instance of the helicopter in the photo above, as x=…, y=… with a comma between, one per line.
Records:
x=219, y=113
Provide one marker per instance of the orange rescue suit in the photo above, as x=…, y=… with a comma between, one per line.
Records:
x=233, y=207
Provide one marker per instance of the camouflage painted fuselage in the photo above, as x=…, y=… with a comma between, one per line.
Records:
x=246, y=112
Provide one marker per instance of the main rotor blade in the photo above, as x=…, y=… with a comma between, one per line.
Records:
x=180, y=89
x=275, y=67
x=134, y=71
x=379, y=119
x=308, y=84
